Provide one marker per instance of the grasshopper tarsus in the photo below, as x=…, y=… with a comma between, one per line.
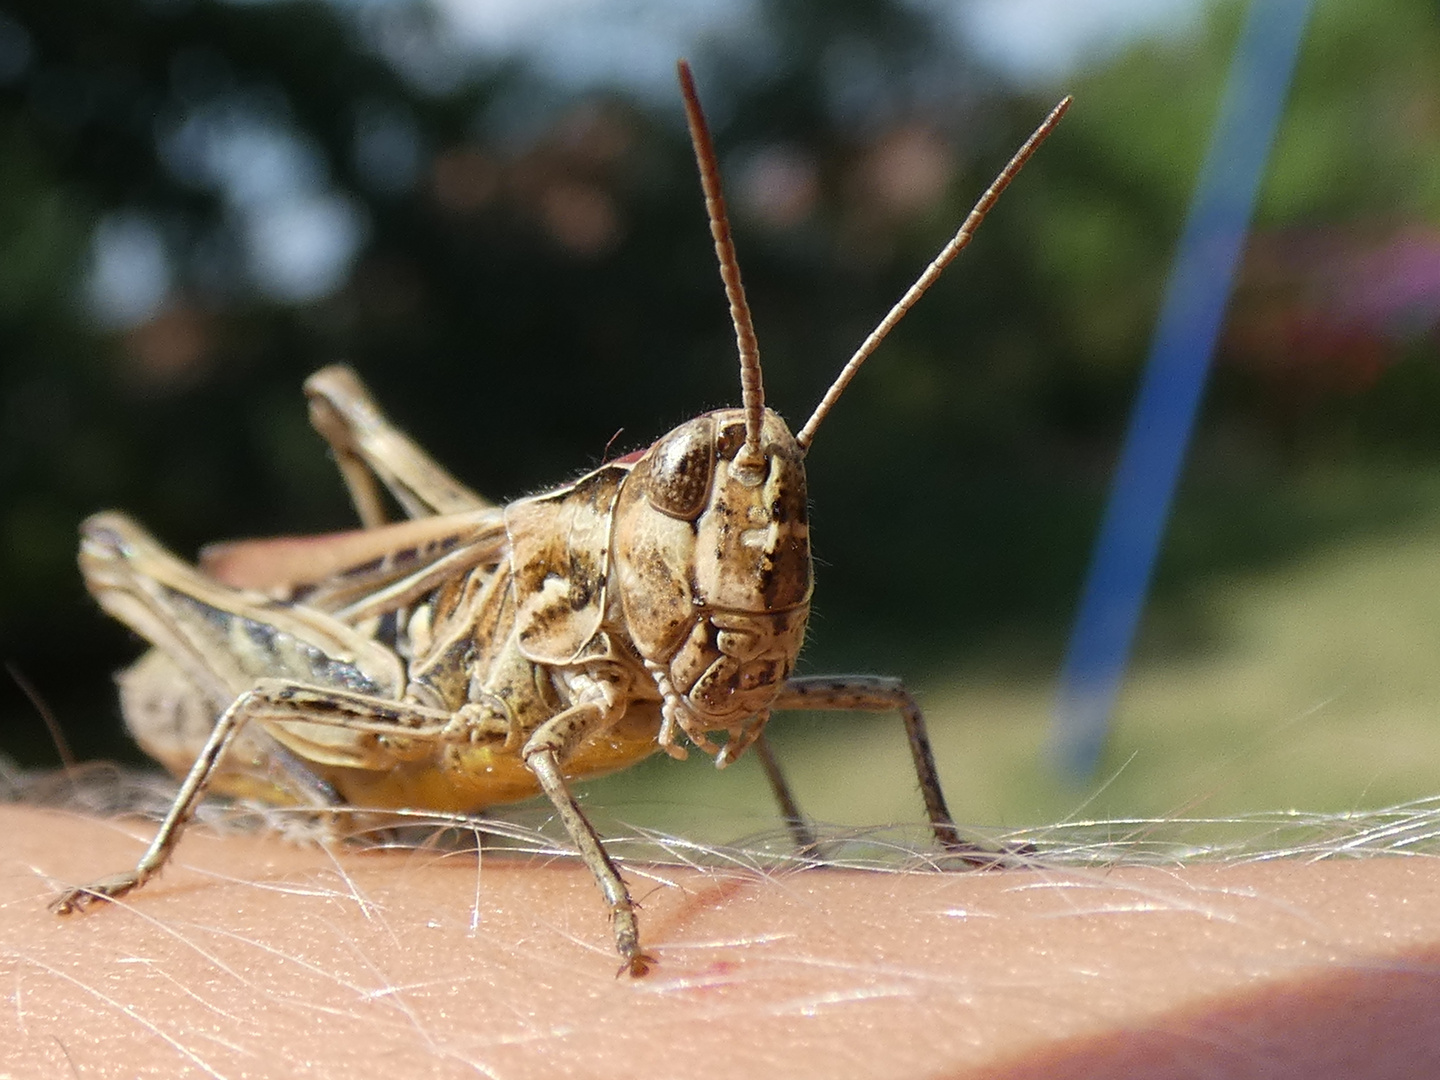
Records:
x=481, y=654
x=637, y=963
x=71, y=901
x=77, y=900
x=973, y=856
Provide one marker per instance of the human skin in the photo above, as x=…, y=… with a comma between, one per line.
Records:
x=251, y=956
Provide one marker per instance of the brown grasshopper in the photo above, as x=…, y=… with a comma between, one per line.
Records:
x=478, y=654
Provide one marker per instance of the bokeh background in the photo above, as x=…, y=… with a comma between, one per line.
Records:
x=489, y=208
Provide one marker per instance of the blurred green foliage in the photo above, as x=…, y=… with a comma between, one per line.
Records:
x=537, y=275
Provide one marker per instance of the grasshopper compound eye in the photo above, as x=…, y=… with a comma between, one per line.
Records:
x=681, y=466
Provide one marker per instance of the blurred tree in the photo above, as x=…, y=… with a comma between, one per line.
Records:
x=200, y=202
x=208, y=200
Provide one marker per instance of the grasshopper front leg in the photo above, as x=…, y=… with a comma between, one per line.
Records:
x=800, y=831
x=601, y=699
x=546, y=767
x=291, y=676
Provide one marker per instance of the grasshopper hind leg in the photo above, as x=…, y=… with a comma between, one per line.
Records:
x=370, y=452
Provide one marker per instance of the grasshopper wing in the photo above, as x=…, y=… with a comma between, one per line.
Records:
x=335, y=570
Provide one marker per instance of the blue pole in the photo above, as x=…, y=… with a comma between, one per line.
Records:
x=1174, y=381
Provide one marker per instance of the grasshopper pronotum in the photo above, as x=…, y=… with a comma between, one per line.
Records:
x=480, y=654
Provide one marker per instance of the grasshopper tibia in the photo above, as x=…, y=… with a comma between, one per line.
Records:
x=546, y=766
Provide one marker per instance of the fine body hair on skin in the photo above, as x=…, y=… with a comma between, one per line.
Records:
x=1266, y=945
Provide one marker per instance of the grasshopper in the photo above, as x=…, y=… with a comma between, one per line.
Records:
x=479, y=654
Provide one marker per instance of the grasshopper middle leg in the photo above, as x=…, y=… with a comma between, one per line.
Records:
x=217, y=649
x=277, y=702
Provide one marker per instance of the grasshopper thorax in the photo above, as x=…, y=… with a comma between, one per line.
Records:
x=712, y=566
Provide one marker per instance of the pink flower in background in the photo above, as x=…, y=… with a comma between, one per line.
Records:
x=1322, y=313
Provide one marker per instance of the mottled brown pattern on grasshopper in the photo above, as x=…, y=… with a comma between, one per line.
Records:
x=475, y=654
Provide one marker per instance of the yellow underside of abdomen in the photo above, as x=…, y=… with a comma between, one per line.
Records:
x=486, y=775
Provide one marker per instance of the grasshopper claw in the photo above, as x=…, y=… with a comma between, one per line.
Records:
x=636, y=966
x=972, y=856
x=109, y=888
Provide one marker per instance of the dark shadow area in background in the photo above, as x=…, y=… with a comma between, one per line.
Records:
x=544, y=278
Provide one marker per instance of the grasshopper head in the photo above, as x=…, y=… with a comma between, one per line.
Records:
x=712, y=565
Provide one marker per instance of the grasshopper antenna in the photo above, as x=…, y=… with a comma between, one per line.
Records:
x=57, y=735
x=934, y=270
x=752, y=389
